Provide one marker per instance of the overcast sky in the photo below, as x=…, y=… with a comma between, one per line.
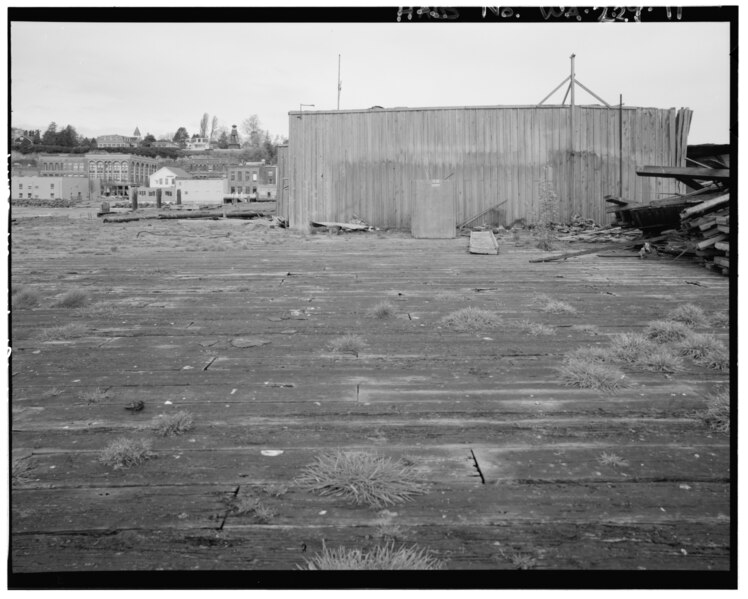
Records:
x=107, y=78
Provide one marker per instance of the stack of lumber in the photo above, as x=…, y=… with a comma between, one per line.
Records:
x=707, y=227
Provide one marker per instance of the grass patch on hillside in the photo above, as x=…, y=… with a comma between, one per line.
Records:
x=381, y=557
x=178, y=423
x=576, y=372
x=362, y=479
x=472, y=319
x=348, y=344
x=125, y=453
x=72, y=299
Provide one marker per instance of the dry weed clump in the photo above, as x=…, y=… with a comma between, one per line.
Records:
x=472, y=319
x=611, y=459
x=706, y=350
x=667, y=331
x=554, y=306
x=24, y=299
x=660, y=359
x=20, y=472
x=630, y=347
x=717, y=413
x=535, y=329
x=348, y=344
x=381, y=557
x=94, y=396
x=248, y=505
x=689, y=314
x=577, y=372
x=382, y=310
x=72, y=299
x=178, y=423
x=125, y=453
x=720, y=319
x=362, y=478
x=591, y=353
x=59, y=333
x=103, y=309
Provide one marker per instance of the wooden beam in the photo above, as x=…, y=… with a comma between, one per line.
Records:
x=705, y=206
x=691, y=172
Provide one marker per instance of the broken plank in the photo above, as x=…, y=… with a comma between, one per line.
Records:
x=620, y=246
x=705, y=206
x=483, y=242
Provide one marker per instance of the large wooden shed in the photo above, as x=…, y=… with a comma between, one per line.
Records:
x=372, y=163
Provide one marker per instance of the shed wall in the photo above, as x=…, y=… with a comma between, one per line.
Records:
x=363, y=163
x=282, y=182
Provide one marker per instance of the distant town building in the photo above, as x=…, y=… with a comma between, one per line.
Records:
x=197, y=144
x=119, y=141
x=164, y=144
x=253, y=179
x=166, y=175
x=200, y=192
x=49, y=188
x=114, y=174
x=63, y=165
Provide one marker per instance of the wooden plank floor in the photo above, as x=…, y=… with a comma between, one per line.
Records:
x=512, y=455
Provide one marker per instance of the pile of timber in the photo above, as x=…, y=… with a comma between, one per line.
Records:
x=707, y=227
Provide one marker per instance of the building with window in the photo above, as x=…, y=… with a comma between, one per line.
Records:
x=197, y=144
x=114, y=174
x=49, y=188
x=252, y=179
x=63, y=165
x=119, y=141
x=166, y=175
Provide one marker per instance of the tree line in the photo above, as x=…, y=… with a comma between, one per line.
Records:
x=255, y=143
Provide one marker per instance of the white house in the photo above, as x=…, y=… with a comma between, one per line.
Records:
x=200, y=191
x=197, y=144
x=167, y=175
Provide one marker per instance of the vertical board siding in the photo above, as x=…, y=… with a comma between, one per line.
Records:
x=365, y=163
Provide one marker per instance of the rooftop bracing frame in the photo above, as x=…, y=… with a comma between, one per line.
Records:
x=573, y=81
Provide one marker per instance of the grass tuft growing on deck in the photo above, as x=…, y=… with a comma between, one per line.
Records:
x=591, y=353
x=125, y=453
x=471, y=319
x=630, y=347
x=348, y=344
x=382, y=310
x=94, y=396
x=717, y=413
x=660, y=359
x=361, y=478
x=576, y=372
x=689, y=314
x=248, y=505
x=535, y=329
x=72, y=299
x=667, y=331
x=552, y=305
x=24, y=299
x=178, y=423
x=706, y=350
x=381, y=557
x=62, y=332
